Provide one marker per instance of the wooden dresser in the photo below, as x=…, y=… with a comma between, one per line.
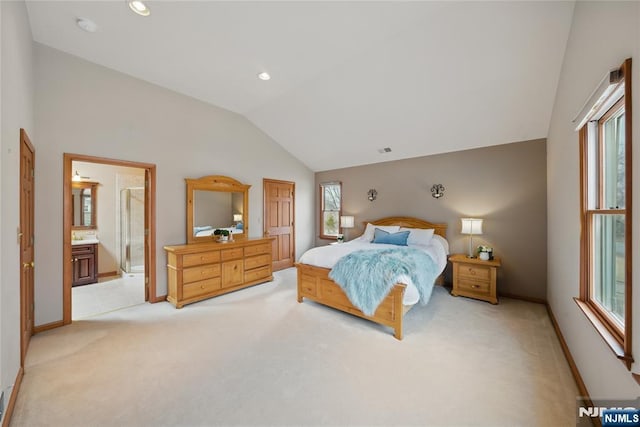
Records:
x=475, y=278
x=199, y=271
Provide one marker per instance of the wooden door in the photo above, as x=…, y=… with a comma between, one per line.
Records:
x=26, y=237
x=279, y=205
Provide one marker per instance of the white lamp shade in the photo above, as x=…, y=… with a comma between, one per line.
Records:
x=346, y=221
x=237, y=217
x=471, y=226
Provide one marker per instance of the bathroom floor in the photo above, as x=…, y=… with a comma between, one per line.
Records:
x=108, y=295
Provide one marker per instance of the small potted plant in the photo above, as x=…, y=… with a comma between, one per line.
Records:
x=223, y=235
x=485, y=253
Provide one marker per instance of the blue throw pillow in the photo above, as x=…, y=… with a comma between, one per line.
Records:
x=399, y=238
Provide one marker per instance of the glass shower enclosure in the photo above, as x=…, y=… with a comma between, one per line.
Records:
x=132, y=230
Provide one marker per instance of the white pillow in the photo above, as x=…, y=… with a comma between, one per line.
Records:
x=442, y=241
x=371, y=229
x=419, y=236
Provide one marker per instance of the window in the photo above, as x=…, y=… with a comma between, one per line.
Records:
x=605, y=181
x=330, y=206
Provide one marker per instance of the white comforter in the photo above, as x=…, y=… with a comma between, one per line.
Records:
x=327, y=256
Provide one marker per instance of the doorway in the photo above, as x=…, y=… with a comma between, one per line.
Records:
x=26, y=239
x=279, y=221
x=140, y=229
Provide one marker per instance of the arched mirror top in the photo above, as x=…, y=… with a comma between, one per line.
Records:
x=216, y=202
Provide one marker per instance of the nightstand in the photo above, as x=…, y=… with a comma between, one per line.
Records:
x=475, y=278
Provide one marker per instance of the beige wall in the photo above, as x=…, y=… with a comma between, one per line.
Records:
x=87, y=109
x=603, y=34
x=17, y=112
x=505, y=185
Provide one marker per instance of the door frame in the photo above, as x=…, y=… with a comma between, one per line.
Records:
x=149, y=224
x=25, y=143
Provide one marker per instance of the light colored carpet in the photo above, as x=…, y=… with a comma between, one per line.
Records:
x=257, y=357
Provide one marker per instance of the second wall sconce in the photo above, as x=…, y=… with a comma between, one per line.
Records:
x=372, y=194
x=437, y=190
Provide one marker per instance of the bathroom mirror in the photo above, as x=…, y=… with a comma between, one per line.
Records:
x=216, y=202
x=83, y=202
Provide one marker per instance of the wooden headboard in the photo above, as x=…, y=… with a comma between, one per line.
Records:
x=405, y=221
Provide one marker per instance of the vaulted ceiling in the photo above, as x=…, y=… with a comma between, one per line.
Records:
x=348, y=78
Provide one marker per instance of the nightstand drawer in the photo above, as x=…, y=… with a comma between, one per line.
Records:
x=474, y=272
x=475, y=286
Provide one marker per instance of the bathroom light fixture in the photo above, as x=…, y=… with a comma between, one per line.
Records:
x=372, y=194
x=76, y=177
x=264, y=76
x=139, y=7
x=471, y=226
x=437, y=190
x=87, y=25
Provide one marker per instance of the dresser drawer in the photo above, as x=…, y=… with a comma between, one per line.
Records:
x=257, y=249
x=475, y=286
x=201, y=258
x=257, y=261
x=257, y=274
x=233, y=253
x=195, y=274
x=201, y=288
x=474, y=272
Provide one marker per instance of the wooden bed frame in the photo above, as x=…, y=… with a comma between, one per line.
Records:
x=314, y=283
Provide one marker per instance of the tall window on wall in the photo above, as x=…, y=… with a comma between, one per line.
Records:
x=330, y=206
x=605, y=193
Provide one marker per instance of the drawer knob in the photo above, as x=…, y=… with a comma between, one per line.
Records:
x=472, y=272
x=201, y=286
x=475, y=286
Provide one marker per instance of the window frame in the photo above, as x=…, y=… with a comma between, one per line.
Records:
x=617, y=338
x=322, y=233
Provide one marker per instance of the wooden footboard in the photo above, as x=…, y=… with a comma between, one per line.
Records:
x=314, y=283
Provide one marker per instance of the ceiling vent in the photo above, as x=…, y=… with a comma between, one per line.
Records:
x=384, y=150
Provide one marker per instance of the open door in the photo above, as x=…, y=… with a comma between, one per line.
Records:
x=26, y=237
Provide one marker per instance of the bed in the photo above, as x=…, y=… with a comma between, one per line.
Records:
x=314, y=282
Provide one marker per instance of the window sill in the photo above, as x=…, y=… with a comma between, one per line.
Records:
x=608, y=337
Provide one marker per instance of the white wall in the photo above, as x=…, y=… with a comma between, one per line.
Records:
x=603, y=34
x=84, y=108
x=17, y=112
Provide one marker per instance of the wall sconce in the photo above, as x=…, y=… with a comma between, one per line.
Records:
x=372, y=195
x=437, y=190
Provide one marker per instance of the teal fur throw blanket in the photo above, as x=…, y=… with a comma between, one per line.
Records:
x=367, y=276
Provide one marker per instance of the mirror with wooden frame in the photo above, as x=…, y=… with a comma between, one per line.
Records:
x=216, y=202
x=84, y=196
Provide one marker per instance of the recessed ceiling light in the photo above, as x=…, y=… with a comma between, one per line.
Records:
x=87, y=25
x=139, y=7
x=264, y=76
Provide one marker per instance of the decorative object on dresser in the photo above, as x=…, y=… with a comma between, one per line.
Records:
x=475, y=278
x=314, y=282
x=213, y=202
x=199, y=271
x=471, y=226
x=84, y=258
